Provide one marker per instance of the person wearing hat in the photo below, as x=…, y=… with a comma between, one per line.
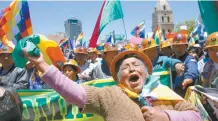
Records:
x=195, y=49
x=99, y=54
x=100, y=49
x=11, y=76
x=165, y=49
x=94, y=61
x=35, y=82
x=161, y=64
x=93, y=55
x=130, y=46
x=210, y=69
x=125, y=101
x=190, y=75
x=81, y=58
x=71, y=69
x=102, y=70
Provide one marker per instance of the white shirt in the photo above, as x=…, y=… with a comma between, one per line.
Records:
x=216, y=65
x=84, y=67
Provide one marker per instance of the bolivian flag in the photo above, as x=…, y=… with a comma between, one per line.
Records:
x=157, y=35
x=35, y=44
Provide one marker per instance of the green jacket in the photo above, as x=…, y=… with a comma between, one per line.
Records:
x=161, y=68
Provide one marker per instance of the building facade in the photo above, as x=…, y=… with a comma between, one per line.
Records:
x=162, y=16
x=73, y=27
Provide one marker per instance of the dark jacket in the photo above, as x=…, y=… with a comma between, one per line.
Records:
x=190, y=72
x=191, y=69
x=14, y=77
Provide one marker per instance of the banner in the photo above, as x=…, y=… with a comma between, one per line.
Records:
x=48, y=105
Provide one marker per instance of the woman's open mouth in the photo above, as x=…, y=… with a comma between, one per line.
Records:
x=134, y=78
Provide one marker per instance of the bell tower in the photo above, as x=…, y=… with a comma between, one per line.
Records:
x=163, y=16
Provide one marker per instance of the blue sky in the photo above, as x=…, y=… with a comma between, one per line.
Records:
x=48, y=17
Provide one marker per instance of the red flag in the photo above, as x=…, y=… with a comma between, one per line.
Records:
x=170, y=35
x=96, y=32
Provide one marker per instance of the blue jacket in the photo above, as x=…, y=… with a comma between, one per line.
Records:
x=191, y=70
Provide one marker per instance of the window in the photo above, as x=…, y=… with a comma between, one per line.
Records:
x=155, y=9
x=162, y=19
x=168, y=19
x=163, y=32
x=164, y=7
x=169, y=30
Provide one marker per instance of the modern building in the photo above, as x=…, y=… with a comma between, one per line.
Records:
x=73, y=27
x=163, y=16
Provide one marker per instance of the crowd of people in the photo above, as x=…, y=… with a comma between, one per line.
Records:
x=174, y=65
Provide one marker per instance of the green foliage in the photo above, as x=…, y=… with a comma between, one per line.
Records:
x=189, y=23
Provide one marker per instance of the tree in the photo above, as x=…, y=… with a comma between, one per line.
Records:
x=189, y=23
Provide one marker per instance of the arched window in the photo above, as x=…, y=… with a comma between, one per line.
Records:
x=168, y=19
x=164, y=7
x=155, y=9
x=162, y=19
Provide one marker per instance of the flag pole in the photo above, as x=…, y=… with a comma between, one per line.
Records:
x=144, y=29
x=114, y=41
x=74, y=44
x=124, y=28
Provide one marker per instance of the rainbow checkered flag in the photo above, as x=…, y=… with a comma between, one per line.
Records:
x=15, y=23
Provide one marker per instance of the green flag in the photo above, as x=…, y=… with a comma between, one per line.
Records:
x=209, y=15
x=112, y=11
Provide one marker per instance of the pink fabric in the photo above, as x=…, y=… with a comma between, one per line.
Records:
x=183, y=115
x=135, y=40
x=68, y=89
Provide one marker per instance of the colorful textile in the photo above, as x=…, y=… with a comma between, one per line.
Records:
x=154, y=93
x=139, y=30
x=158, y=35
x=36, y=44
x=79, y=40
x=15, y=23
x=64, y=43
x=110, y=11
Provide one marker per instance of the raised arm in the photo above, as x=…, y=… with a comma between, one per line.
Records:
x=68, y=89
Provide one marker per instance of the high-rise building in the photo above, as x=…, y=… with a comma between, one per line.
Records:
x=163, y=16
x=73, y=27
